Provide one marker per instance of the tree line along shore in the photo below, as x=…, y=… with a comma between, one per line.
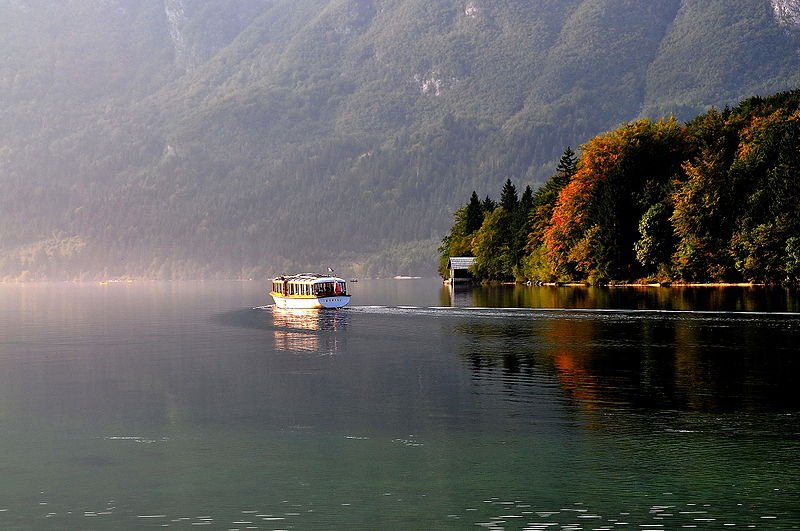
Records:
x=714, y=200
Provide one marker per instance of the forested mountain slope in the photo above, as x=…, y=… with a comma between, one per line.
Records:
x=200, y=138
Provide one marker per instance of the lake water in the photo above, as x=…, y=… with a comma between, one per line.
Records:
x=196, y=404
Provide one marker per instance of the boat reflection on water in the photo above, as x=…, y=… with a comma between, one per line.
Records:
x=308, y=331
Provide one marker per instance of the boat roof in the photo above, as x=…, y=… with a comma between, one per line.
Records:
x=313, y=278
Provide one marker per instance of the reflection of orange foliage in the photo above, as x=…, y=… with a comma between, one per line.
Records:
x=570, y=361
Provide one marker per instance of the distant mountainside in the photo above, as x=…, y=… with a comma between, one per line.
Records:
x=207, y=138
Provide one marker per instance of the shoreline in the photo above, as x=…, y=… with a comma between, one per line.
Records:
x=633, y=285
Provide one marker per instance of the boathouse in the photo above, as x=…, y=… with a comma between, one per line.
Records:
x=459, y=268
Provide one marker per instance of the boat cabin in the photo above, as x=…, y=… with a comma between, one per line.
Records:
x=309, y=285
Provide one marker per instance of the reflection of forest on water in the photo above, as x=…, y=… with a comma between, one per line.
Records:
x=316, y=331
x=681, y=298
x=671, y=362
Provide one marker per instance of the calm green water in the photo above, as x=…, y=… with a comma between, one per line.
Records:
x=194, y=404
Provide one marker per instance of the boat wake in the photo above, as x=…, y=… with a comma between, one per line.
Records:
x=575, y=313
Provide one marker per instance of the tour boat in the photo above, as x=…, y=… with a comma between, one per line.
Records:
x=308, y=291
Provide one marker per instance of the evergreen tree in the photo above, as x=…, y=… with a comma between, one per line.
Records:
x=488, y=205
x=474, y=214
x=567, y=166
x=521, y=227
x=526, y=201
x=508, y=197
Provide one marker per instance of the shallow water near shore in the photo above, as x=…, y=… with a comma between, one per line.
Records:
x=419, y=406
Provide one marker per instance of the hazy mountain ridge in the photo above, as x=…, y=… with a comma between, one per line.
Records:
x=195, y=138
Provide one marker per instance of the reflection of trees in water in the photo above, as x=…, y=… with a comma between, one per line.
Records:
x=491, y=346
x=317, y=331
x=683, y=298
x=658, y=363
x=737, y=364
x=520, y=296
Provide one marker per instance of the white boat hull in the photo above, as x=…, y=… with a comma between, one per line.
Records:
x=309, y=303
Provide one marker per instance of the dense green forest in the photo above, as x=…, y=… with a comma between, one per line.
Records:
x=240, y=138
x=714, y=200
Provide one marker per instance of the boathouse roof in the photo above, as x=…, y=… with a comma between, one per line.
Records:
x=460, y=262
